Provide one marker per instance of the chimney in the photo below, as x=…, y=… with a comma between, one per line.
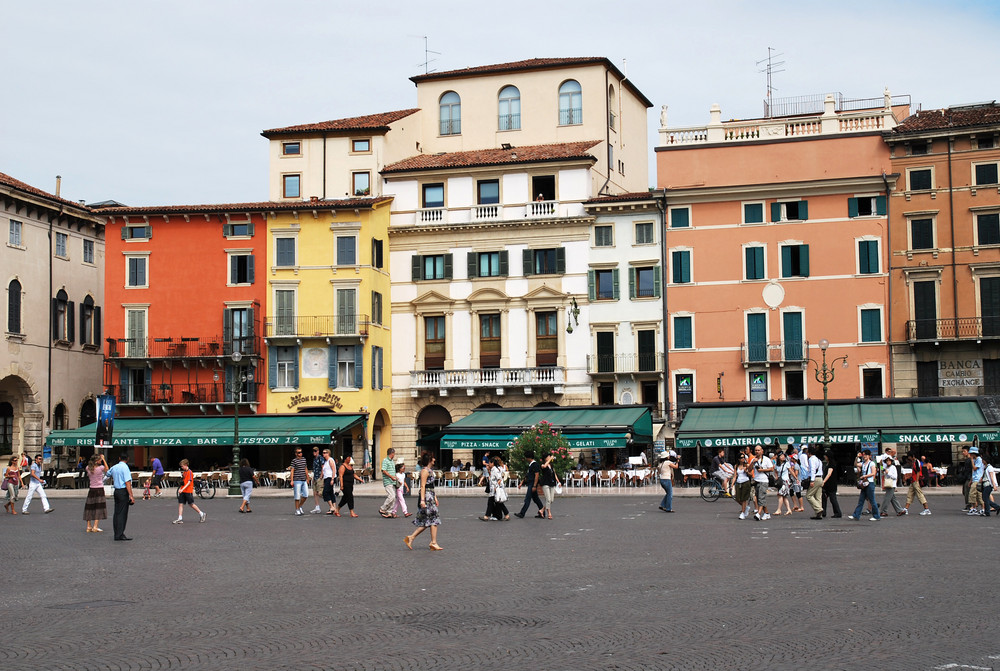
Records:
x=58, y=185
x=313, y=199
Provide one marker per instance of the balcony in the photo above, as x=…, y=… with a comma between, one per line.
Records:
x=650, y=363
x=767, y=353
x=180, y=348
x=180, y=394
x=321, y=326
x=489, y=212
x=487, y=379
x=965, y=328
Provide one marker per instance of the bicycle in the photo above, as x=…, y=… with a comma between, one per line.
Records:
x=204, y=488
x=713, y=490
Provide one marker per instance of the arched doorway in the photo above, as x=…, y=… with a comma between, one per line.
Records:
x=432, y=419
x=27, y=417
x=6, y=428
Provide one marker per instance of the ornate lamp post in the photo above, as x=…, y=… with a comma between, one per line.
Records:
x=825, y=375
x=241, y=376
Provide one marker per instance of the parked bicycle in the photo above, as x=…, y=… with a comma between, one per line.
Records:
x=204, y=488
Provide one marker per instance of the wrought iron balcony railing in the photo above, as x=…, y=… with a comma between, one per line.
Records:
x=780, y=352
x=188, y=393
x=180, y=348
x=963, y=328
x=648, y=362
x=317, y=326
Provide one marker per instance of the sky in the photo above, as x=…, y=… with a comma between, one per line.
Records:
x=162, y=103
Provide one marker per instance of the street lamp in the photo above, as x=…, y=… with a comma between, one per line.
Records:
x=825, y=375
x=241, y=376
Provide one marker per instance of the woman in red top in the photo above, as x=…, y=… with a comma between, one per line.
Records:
x=186, y=494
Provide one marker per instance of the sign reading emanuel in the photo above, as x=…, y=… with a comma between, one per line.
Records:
x=960, y=372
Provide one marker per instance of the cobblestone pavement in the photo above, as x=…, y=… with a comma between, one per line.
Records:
x=611, y=583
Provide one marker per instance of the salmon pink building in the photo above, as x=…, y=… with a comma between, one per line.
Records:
x=776, y=240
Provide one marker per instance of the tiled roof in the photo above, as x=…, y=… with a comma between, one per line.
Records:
x=621, y=197
x=264, y=206
x=951, y=117
x=468, y=159
x=7, y=180
x=358, y=123
x=533, y=64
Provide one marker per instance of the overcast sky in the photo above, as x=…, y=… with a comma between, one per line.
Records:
x=158, y=103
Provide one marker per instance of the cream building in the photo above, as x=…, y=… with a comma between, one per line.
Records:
x=53, y=278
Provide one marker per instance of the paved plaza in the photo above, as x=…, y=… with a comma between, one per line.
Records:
x=611, y=583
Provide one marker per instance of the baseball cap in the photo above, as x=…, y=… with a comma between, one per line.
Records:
x=973, y=450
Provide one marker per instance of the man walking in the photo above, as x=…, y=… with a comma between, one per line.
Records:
x=975, y=494
x=121, y=478
x=814, y=495
x=532, y=480
x=36, y=485
x=964, y=473
x=866, y=477
x=157, y=468
x=317, y=479
x=299, y=475
x=915, y=490
x=762, y=465
x=803, y=463
x=389, y=483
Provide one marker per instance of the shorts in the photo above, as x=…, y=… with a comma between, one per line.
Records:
x=300, y=489
x=185, y=497
x=317, y=485
x=760, y=490
x=157, y=480
x=743, y=491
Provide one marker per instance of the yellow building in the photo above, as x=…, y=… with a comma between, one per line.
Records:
x=327, y=324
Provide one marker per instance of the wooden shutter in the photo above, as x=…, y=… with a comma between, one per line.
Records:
x=331, y=367
x=592, y=285
x=880, y=205
x=526, y=257
x=70, y=321
x=631, y=282
x=233, y=265
x=83, y=322
x=561, y=260
x=272, y=367
x=682, y=332
x=97, y=325
x=250, y=264
x=471, y=262
x=614, y=283
x=227, y=230
x=775, y=211
x=250, y=228
x=786, y=261
x=657, y=272
x=504, y=270
x=852, y=207
x=447, y=266
x=359, y=368
x=124, y=232
x=803, y=210
x=804, y=260
x=415, y=268
x=149, y=232
x=295, y=368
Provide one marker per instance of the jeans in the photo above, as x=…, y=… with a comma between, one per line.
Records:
x=867, y=494
x=529, y=496
x=989, y=505
x=300, y=490
x=668, y=496
x=246, y=487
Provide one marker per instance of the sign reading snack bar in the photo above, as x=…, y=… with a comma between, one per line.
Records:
x=960, y=372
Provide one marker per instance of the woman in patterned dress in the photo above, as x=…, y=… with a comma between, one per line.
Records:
x=427, y=515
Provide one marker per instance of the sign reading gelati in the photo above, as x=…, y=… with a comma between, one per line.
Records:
x=960, y=372
x=329, y=399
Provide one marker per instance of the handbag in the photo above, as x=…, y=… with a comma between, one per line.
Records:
x=559, y=488
x=500, y=495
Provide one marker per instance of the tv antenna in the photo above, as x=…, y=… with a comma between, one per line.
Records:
x=427, y=55
x=771, y=68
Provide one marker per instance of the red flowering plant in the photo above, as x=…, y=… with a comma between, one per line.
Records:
x=543, y=440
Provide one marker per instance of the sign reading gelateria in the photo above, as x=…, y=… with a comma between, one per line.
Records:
x=960, y=372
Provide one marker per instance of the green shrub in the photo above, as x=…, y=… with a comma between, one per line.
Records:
x=543, y=440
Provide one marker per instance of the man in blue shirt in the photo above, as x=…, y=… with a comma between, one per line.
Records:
x=975, y=499
x=157, y=467
x=121, y=476
x=36, y=486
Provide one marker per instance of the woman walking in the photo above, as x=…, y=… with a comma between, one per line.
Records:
x=427, y=515
x=347, y=480
x=10, y=479
x=497, y=476
x=866, y=483
x=328, y=470
x=784, y=474
x=247, y=480
x=96, y=506
x=830, y=486
x=742, y=478
x=665, y=472
x=550, y=480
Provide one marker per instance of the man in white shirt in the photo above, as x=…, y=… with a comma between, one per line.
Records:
x=803, y=473
x=814, y=473
x=761, y=467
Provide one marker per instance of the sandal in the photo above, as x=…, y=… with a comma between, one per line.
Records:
x=435, y=546
x=337, y=513
x=408, y=541
x=353, y=514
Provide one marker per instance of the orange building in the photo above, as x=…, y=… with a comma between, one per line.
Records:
x=776, y=239
x=182, y=295
x=945, y=232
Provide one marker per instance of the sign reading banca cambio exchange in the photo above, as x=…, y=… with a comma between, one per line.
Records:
x=960, y=372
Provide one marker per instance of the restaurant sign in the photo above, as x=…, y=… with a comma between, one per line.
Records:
x=941, y=437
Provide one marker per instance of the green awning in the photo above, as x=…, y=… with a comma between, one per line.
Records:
x=207, y=431
x=583, y=427
x=884, y=420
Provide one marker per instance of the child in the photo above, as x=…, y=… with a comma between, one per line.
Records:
x=186, y=494
x=401, y=477
x=145, y=492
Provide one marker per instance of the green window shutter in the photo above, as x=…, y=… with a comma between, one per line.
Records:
x=149, y=232
x=676, y=275
x=526, y=256
x=504, y=264
x=631, y=282
x=250, y=264
x=803, y=209
x=471, y=262
x=871, y=326
x=852, y=207
x=786, y=261
x=124, y=232
x=250, y=228
x=804, y=260
x=656, y=281
x=272, y=367
x=331, y=366
x=359, y=367
x=880, y=205
x=614, y=283
x=447, y=267
x=682, y=267
x=682, y=332
x=775, y=211
x=561, y=260
x=591, y=285
x=416, y=267
x=679, y=218
x=227, y=229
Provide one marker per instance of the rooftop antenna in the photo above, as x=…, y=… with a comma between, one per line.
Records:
x=427, y=55
x=770, y=69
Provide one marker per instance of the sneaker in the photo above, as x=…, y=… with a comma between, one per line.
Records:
x=852, y=517
x=298, y=511
x=756, y=516
x=925, y=511
x=743, y=516
x=972, y=512
x=765, y=516
x=49, y=510
x=904, y=511
x=178, y=521
x=203, y=516
x=874, y=519
x=156, y=496
x=316, y=511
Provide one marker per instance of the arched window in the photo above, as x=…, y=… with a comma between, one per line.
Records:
x=62, y=318
x=90, y=322
x=612, y=107
x=570, y=103
x=59, y=417
x=451, y=114
x=14, y=307
x=509, y=109
x=88, y=412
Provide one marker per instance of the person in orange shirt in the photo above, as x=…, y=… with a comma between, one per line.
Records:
x=186, y=494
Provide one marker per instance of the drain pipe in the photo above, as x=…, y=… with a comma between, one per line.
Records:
x=661, y=205
x=951, y=217
x=888, y=271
